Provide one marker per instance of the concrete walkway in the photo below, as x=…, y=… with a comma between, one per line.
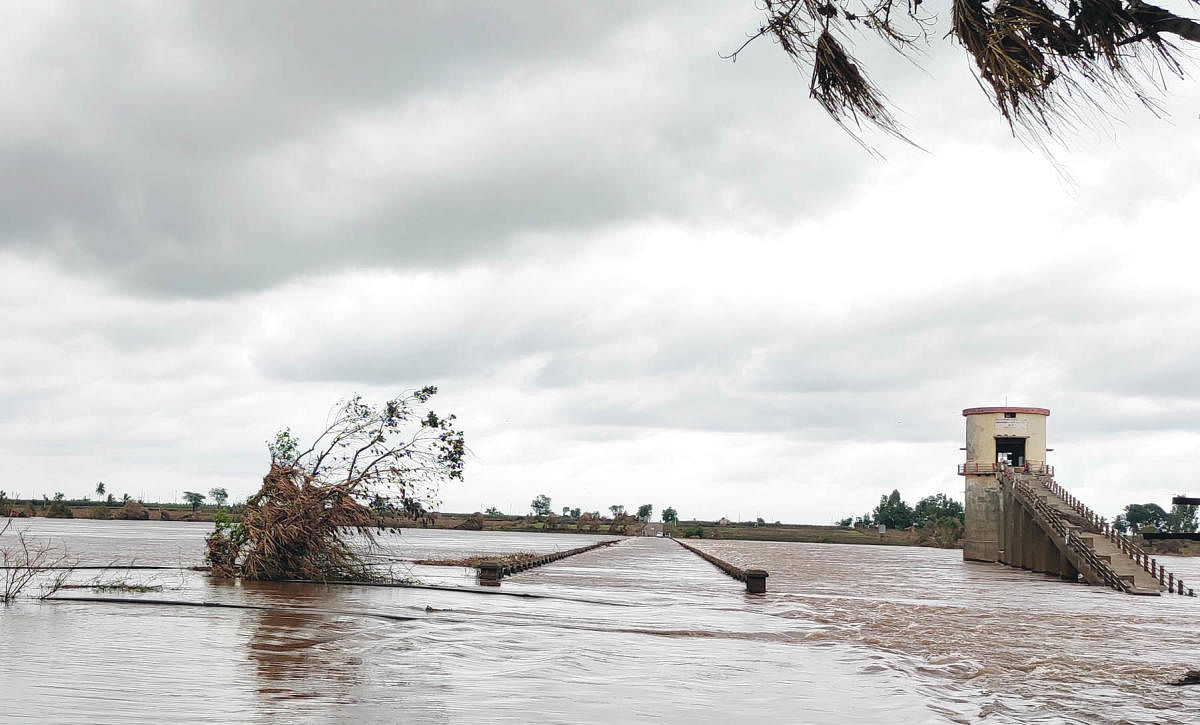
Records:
x=1122, y=564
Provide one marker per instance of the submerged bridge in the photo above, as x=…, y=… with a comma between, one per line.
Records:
x=1017, y=514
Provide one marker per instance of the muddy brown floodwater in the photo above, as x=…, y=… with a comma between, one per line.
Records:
x=638, y=632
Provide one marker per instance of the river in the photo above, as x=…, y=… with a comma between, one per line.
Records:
x=642, y=631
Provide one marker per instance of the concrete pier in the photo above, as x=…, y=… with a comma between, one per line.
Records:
x=1017, y=436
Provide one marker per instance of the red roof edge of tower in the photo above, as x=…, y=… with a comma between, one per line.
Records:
x=983, y=411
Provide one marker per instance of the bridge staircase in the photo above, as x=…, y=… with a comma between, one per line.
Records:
x=1041, y=513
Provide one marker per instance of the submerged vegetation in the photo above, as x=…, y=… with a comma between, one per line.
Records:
x=370, y=461
x=23, y=559
x=118, y=585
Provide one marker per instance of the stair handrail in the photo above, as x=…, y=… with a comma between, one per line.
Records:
x=1007, y=476
x=1126, y=544
x=1096, y=521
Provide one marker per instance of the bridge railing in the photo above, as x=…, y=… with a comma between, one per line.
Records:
x=1023, y=491
x=978, y=468
x=1126, y=544
x=1142, y=558
x=1094, y=521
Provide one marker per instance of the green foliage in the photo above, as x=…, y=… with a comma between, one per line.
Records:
x=58, y=508
x=644, y=512
x=124, y=586
x=220, y=495
x=893, y=512
x=284, y=448
x=541, y=505
x=1182, y=519
x=943, y=532
x=381, y=505
x=1146, y=516
x=193, y=498
x=493, y=511
x=576, y=512
x=932, y=508
x=1150, y=517
x=225, y=544
x=670, y=516
x=693, y=532
x=100, y=488
x=616, y=510
x=101, y=512
x=396, y=449
x=846, y=522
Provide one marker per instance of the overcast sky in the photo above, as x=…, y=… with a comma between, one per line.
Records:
x=638, y=273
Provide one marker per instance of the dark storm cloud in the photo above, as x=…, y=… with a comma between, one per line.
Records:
x=205, y=148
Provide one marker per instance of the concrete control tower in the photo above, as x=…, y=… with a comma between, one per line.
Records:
x=1016, y=436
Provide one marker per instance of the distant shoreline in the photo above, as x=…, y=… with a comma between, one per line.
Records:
x=712, y=530
x=693, y=529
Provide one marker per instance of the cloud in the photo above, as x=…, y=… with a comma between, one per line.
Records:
x=197, y=150
x=636, y=271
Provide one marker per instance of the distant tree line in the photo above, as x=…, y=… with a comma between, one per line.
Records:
x=59, y=506
x=542, y=506
x=938, y=519
x=894, y=513
x=1150, y=517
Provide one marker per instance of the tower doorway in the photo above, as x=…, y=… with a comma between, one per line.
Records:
x=1010, y=451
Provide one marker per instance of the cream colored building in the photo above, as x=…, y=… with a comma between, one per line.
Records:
x=1016, y=436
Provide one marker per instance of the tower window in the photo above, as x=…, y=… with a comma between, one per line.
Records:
x=1010, y=415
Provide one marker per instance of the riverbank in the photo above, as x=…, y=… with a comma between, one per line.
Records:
x=800, y=533
x=1172, y=547
x=693, y=529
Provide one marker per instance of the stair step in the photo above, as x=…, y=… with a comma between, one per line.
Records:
x=1144, y=592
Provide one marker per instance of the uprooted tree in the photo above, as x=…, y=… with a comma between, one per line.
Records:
x=1045, y=64
x=299, y=524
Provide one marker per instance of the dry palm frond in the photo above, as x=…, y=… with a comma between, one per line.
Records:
x=842, y=89
x=1045, y=64
x=1044, y=69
